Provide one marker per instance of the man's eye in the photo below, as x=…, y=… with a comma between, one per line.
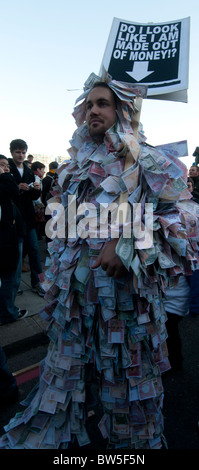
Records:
x=88, y=106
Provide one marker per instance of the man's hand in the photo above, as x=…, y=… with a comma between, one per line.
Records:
x=110, y=262
x=37, y=186
x=23, y=187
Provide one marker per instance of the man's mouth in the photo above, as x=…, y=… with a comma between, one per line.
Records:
x=95, y=121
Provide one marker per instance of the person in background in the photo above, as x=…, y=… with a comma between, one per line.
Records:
x=194, y=174
x=194, y=279
x=11, y=232
x=30, y=158
x=190, y=185
x=193, y=171
x=38, y=169
x=29, y=191
x=29, y=161
x=48, y=182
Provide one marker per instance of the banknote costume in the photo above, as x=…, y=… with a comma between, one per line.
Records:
x=116, y=327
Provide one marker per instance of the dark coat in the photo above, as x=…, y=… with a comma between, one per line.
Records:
x=193, y=282
x=47, y=183
x=10, y=225
x=195, y=192
x=25, y=198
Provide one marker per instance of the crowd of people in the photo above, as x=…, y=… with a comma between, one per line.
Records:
x=23, y=187
x=107, y=322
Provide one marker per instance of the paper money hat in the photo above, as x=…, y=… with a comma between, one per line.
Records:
x=125, y=93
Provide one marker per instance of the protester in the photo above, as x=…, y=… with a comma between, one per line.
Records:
x=38, y=169
x=193, y=280
x=30, y=158
x=196, y=155
x=28, y=164
x=194, y=174
x=29, y=191
x=29, y=161
x=48, y=181
x=11, y=232
x=193, y=171
x=106, y=317
x=47, y=184
x=190, y=184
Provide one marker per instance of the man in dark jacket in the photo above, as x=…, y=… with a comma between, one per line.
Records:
x=11, y=231
x=194, y=174
x=29, y=191
x=47, y=182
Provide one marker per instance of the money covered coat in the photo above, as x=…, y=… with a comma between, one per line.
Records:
x=108, y=337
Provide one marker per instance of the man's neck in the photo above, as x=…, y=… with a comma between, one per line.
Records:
x=18, y=165
x=99, y=139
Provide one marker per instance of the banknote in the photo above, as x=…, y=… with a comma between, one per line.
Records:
x=115, y=331
x=111, y=185
x=155, y=181
x=175, y=149
x=97, y=169
x=121, y=424
x=135, y=195
x=85, y=151
x=125, y=249
x=15, y=421
x=115, y=168
x=178, y=244
x=104, y=425
x=83, y=437
x=146, y=390
x=82, y=270
x=107, y=291
x=128, y=179
x=107, y=313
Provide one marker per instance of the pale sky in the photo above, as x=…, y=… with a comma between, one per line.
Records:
x=51, y=46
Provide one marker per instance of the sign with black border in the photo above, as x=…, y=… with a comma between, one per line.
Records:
x=152, y=54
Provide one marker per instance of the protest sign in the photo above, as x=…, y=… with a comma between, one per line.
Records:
x=152, y=54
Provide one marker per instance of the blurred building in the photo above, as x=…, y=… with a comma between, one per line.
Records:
x=46, y=159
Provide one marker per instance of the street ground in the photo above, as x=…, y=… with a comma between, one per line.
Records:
x=181, y=409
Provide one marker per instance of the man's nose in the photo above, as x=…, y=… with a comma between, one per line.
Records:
x=94, y=109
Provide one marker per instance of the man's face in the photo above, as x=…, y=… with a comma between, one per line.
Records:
x=100, y=112
x=19, y=156
x=41, y=172
x=4, y=166
x=190, y=186
x=193, y=171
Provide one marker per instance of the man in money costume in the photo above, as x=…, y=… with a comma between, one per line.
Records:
x=106, y=317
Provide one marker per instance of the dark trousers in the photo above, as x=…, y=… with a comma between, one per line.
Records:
x=174, y=342
x=31, y=247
